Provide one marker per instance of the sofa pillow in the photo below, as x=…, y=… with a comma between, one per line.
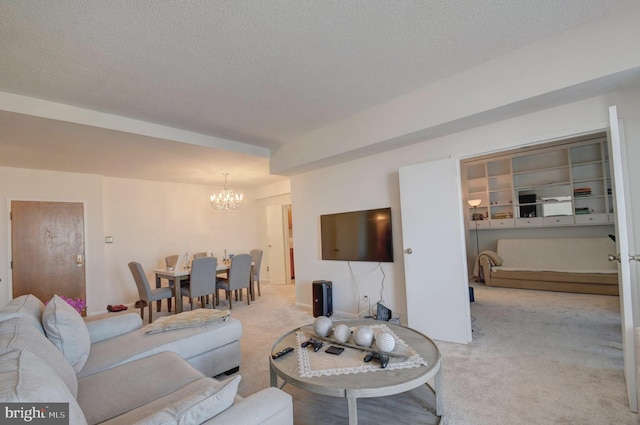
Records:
x=197, y=408
x=66, y=329
x=25, y=378
x=18, y=334
x=28, y=307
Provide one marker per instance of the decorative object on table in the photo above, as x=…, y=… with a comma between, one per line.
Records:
x=351, y=360
x=342, y=333
x=77, y=303
x=226, y=199
x=363, y=336
x=385, y=341
x=322, y=326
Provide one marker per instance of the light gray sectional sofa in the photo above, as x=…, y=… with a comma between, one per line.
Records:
x=111, y=372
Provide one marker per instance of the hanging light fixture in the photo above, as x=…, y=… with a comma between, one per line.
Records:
x=226, y=199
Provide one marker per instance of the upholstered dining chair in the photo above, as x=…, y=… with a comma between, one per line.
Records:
x=203, y=280
x=256, y=256
x=145, y=292
x=239, y=278
x=171, y=260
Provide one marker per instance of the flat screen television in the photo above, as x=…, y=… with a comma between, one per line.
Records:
x=357, y=236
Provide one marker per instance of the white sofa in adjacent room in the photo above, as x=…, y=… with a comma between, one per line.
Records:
x=552, y=264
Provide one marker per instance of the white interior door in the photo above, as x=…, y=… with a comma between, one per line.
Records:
x=275, y=244
x=624, y=240
x=433, y=239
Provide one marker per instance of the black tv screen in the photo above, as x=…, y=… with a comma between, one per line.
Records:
x=357, y=236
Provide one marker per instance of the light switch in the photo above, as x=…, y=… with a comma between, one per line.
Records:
x=108, y=239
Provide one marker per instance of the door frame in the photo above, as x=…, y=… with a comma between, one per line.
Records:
x=607, y=130
x=7, y=295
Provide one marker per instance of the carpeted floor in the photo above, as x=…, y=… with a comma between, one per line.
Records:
x=536, y=358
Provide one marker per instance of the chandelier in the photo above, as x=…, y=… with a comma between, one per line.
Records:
x=226, y=199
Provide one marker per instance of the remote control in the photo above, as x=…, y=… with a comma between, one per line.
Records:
x=282, y=353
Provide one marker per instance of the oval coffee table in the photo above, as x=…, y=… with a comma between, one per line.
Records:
x=363, y=385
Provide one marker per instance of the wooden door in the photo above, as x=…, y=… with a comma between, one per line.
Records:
x=47, y=249
x=435, y=263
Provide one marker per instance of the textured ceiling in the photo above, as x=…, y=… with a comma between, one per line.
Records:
x=254, y=71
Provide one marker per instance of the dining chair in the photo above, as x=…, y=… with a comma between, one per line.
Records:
x=239, y=278
x=256, y=256
x=146, y=293
x=203, y=280
x=171, y=260
x=200, y=255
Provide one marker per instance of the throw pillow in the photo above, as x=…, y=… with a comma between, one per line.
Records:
x=197, y=408
x=18, y=334
x=28, y=307
x=25, y=378
x=66, y=329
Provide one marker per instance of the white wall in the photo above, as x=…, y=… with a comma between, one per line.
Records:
x=373, y=182
x=150, y=220
x=147, y=220
x=36, y=185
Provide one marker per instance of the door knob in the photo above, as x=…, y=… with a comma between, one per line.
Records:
x=408, y=251
x=634, y=257
x=612, y=257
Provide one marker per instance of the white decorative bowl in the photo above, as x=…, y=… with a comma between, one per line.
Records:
x=342, y=333
x=322, y=326
x=385, y=341
x=363, y=336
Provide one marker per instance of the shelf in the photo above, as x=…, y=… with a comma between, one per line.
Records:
x=524, y=185
x=541, y=170
x=536, y=186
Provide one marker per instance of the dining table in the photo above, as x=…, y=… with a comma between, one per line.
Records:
x=183, y=273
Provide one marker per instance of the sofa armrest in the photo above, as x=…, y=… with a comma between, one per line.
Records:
x=102, y=329
x=485, y=269
x=269, y=406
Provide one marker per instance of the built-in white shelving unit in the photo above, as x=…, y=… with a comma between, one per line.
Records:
x=564, y=184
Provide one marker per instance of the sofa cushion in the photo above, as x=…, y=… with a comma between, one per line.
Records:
x=186, y=342
x=24, y=377
x=116, y=391
x=66, y=329
x=197, y=407
x=108, y=327
x=572, y=255
x=28, y=307
x=206, y=396
x=18, y=334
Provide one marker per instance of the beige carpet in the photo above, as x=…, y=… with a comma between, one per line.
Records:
x=536, y=358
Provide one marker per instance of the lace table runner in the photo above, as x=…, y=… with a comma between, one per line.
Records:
x=351, y=360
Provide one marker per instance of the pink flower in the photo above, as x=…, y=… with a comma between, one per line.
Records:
x=78, y=303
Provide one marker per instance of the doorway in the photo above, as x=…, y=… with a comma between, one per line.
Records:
x=280, y=260
x=47, y=249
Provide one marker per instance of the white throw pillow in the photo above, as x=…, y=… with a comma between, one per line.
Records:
x=66, y=329
x=25, y=378
x=197, y=408
x=28, y=307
